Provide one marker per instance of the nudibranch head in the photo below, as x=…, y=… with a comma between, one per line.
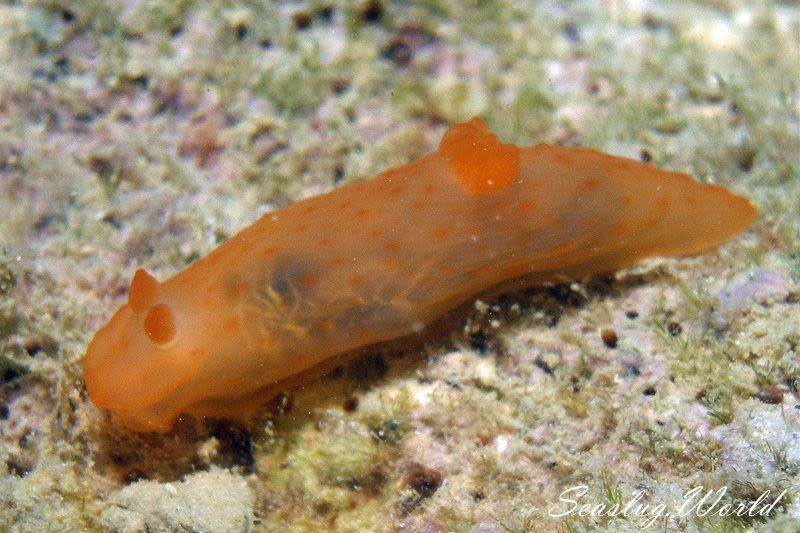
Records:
x=137, y=350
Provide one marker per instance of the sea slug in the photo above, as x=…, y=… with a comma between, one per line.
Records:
x=381, y=260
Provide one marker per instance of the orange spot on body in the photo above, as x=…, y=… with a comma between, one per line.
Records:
x=198, y=353
x=513, y=270
x=439, y=232
x=590, y=184
x=562, y=159
x=389, y=262
x=523, y=208
x=561, y=249
x=618, y=228
x=231, y=325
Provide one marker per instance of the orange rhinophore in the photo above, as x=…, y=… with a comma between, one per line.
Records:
x=373, y=262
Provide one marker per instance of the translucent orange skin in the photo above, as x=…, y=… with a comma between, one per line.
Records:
x=380, y=260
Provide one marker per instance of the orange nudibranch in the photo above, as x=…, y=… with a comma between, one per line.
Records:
x=376, y=261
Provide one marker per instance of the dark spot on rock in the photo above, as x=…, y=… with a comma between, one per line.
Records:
x=17, y=466
x=46, y=220
x=653, y=22
x=9, y=374
x=567, y=297
x=236, y=446
x=280, y=405
x=340, y=85
x=745, y=157
x=142, y=82
x=62, y=65
x=338, y=175
x=478, y=495
x=571, y=32
x=632, y=371
x=674, y=328
x=372, y=11
x=609, y=337
x=325, y=13
x=240, y=31
x=699, y=395
x=770, y=394
x=368, y=368
x=373, y=482
x=301, y=20
x=387, y=431
x=541, y=363
x=43, y=343
x=322, y=507
x=478, y=341
x=112, y=218
x=350, y=404
x=398, y=52
x=101, y=166
x=425, y=481
x=132, y=476
x=645, y=155
x=31, y=346
x=793, y=297
x=649, y=391
x=632, y=315
x=67, y=15
x=5, y=412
